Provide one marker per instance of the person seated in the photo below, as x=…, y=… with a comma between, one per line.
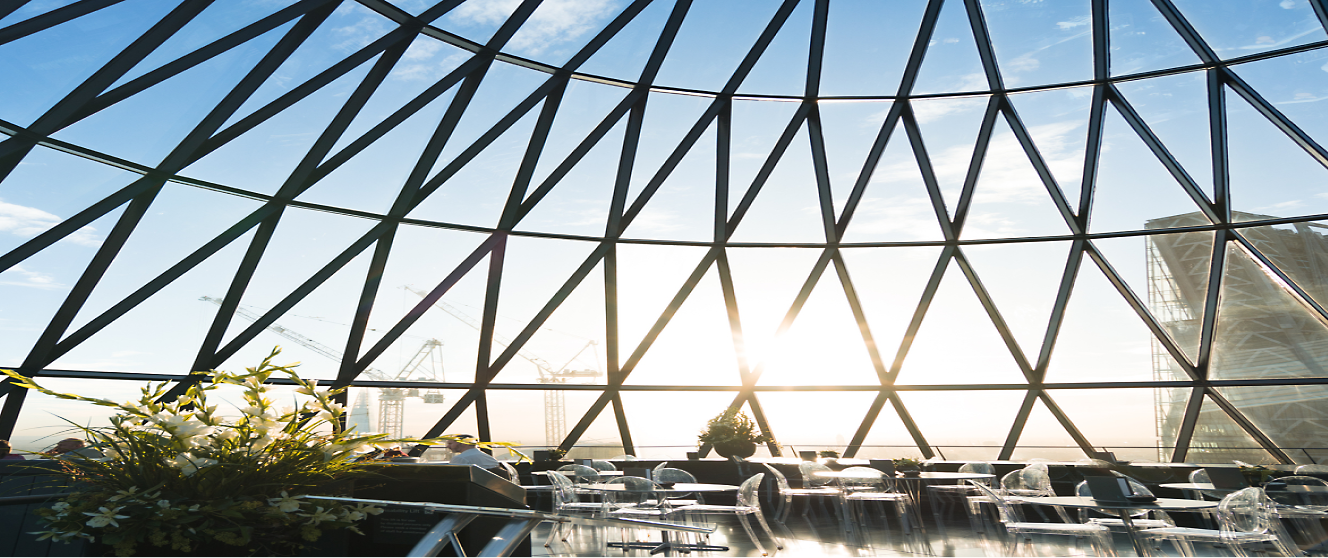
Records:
x=5, y=450
x=468, y=454
x=72, y=447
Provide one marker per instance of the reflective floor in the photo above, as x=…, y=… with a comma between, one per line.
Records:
x=821, y=534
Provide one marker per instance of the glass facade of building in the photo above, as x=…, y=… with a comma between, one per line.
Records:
x=968, y=229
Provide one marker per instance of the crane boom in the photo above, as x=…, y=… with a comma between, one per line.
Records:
x=545, y=369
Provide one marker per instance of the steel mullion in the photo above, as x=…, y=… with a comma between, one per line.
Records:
x=1040, y=165
x=735, y=318
x=767, y=168
x=1185, y=431
x=924, y=302
x=794, y=309
x=983, y=39
x=1249, y=427
x=864, y=428
x=1276, y=117
x=1092, y=155
x=538, y=139
x=1159, y=150
x=488, y=321
x=1063, y=293
x=1159, y=333
x=975, y=163
x=912, y=427
x=919, y=51
x=49, y=19
x=869, y=167
x=1067, y=424
x=612, y=341
x=855, y=304
x=928, y=174
x=994, y=314
x=723, y=160
x=10, y=6
x=1297, y=292
x=481, y=417
x=1217, y=134
x=1017, y=428
x=624, y=433
x=1321, y=11
x=758, y=415
x=1101, y=40
x=821, y=169
x=1186, y=31
x=1212, y=299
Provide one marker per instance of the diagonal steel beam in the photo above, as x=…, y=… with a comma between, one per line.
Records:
x=47, y=20
x=1141, y=309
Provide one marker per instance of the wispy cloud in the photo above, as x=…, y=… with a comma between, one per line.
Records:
x=18, y=276
x=362, y=27
x=26, y=221
x=555, y=22
x=425, y=60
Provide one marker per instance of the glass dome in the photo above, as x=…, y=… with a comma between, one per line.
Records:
x=964, y=229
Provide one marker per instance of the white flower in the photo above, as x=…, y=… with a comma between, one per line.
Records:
x=313, y=384
x=319, y=516
x=123, y=494
x=369, y=509
x=286, y=503
x=105, y=517
x=188, y=464
x=164, y=504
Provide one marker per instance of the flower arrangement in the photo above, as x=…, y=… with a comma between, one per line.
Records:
x=903, y=464
x=733, y=433
x=179, y=476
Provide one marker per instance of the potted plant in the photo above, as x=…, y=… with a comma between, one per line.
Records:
x=181, y=478
x=733, y=434
x=908, y=466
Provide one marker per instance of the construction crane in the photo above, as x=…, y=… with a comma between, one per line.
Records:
x=555, y=412
x=391, y=401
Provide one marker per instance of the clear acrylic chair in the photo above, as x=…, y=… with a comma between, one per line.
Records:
x=623, y=457
x=784, y=504
x=639, y=498
x=942, y=495
x=668, y=475
x=602, y=465
x=581, y=474
x=1020, y=531
x=748, y=503
x=868, y=485
x=567, y=499
x=1312, y=470
x=1303, y=502
x=1140, y=519
x=1245, y=517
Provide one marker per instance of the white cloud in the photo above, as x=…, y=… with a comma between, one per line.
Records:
x=1023, y=63
x=553, y=23
x=17, y=276
x=29, y=221
x=898, y=218
x=1288, y=4
x=1076, y=22
x=368, y=27
x=424, y=60
x=931, y=111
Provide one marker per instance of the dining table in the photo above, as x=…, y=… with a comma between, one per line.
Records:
x=666, y=544
x=1123, y=509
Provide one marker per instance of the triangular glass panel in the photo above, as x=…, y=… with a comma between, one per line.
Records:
x=162, y=334
x=1022, y=279
x=782, y=68
x=29, y=208
x=1057, y=120
x=601, y=439
x=955, y=313
x=973, y=424
x=697, y=346
x=421, y=259
x=31, y=10
x=949, y=128
x=372, y=179
x=1009, y=198
x=675, y=432
x=788, y=207
x=558, y=30
x=952, y=62
x=1297, y=98
x=895, y=206
x=625, y=55
x=35, y=289
x=1132, y=412
x=756, y=128
x=46, y=420
x=787, y=414
x=522, y=429
x=1262, y=330
x=1128, y=172
x=1218, y=439
x=476, y=194
x=157, y=117
x=41, y=68
x=214, y=22
x=766, y=281
x=534, y=269
x=849, y=130
x=584, y=105
x=1102, y=338
x=504, y=87
x=422, y=418
x=824, y=345
x=1262, y=156
x=889, y=282
x=1240, y=30
x=866, y=46
x=1178, y=266
x=1038, y=43
x=1298, y=250
x=345, y=32
x=579, y=203
x=1175, y=108
x=424, y=63
x=667, y=120
x=1292, y=416
x=713, y=41
x=167, y=234
x=1143, y=40
x=261, y=159
x=477, y=20
x=1046, y=438
x=648, y=279
x=683, y=206
x=888, y=437
x=570, y=343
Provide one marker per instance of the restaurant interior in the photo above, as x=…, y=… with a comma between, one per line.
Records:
x=681, y=277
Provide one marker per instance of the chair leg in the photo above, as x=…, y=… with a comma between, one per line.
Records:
x=746, y=525
x=761, y=518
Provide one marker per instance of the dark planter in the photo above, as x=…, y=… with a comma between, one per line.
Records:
x=736, y=449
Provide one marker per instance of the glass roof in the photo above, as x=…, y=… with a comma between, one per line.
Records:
x=1086, y=225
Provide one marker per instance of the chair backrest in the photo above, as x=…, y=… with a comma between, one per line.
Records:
x=563, y=491
x=809, y=470
x=624, y=457
x=780, y=479
x=1301, y=491
x=663, y=465
x=864, y=478
x=1036, y=478
x=602, y=465
x=1199, y=476
x=1249, y=511
x=1008, y=513
x=1315, y=469
x=511, y=472
x=1137, y=487
x=979, y=467
x=747, y=496
x=638, y=491
x=673, y=475
x=581, y=474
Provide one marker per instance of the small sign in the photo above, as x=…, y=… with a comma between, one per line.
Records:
x=402, y=525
